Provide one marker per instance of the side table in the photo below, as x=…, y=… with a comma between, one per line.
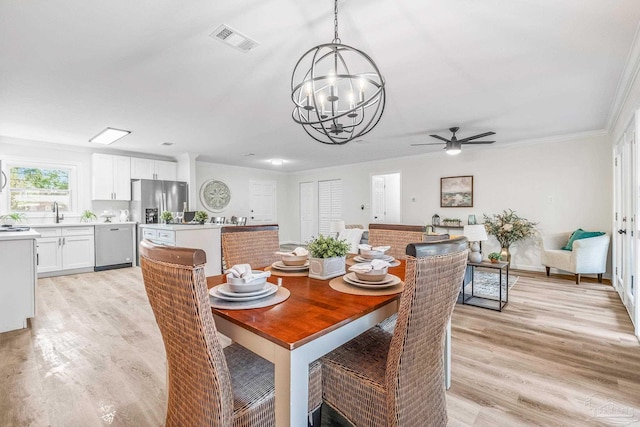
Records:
x=482, y=301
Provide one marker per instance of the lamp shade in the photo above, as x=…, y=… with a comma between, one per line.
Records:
x=475, y=233
x=336, y=226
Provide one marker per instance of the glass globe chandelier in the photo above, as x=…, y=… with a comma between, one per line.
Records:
x=337, y=90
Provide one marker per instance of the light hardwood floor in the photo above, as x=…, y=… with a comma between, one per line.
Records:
x=560, y=354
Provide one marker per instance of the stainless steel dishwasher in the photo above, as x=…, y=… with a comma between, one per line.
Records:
x=114, y=246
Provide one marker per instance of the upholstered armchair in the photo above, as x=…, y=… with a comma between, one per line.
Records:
x=589, y=256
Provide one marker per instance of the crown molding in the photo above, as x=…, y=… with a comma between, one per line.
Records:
x=626, y=82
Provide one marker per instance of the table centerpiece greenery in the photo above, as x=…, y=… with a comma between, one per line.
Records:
x=328, y=256
x=508, y=228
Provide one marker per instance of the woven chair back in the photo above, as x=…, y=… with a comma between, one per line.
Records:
x=250, y=244
x=432, y=284
x=199, y=385
x=395, y=235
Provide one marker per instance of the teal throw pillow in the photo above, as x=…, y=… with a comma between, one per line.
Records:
x=580, y=234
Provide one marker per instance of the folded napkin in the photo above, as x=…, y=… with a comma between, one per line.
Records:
x=299, y=251
x=372, y=248
x=244, y=271
x=365, y=267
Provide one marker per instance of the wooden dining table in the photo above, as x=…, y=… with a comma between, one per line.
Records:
x=313, y=321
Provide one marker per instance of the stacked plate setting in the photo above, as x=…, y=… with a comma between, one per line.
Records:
x=224, y=292
x=279, y=265
x=388, y=281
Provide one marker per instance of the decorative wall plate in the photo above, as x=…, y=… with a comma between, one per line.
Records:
x=215, y=195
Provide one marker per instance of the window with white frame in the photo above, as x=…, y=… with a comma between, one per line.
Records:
x=33, y=187
x=329, y=204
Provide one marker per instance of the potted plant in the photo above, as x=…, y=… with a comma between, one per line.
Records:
x=166, y=217
x=12, y=218
x=494, y=257
x=508, y=228
x=327, y=257
x=200, y=216
x=88, y=216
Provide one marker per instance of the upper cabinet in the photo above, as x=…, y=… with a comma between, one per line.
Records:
x=153, y=169
x=111, y=177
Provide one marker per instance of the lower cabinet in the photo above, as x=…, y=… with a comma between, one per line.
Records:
x=18, y=284
x=65, y=248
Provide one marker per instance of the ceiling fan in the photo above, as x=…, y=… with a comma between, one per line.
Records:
x=454, y=145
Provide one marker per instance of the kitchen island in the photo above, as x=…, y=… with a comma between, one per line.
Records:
x=199, y=236
x=18, y=281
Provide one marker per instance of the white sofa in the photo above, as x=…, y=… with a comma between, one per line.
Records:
x=589, y=256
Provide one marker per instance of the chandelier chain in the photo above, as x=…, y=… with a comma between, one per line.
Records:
x=336, y=39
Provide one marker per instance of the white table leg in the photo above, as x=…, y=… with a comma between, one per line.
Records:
x=447, y=356
x=292, y=388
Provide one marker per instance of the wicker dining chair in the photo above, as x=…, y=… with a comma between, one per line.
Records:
x=207, y=385
x=397, y=379
x=397, y=236
x=250, y=244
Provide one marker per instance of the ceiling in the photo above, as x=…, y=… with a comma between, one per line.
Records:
x=526, y=69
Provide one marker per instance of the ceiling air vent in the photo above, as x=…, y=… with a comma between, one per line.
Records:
x=234, y=38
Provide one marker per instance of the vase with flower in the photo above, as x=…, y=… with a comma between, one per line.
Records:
x=508, y=228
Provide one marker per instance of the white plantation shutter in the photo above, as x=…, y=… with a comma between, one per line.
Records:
x=329, y=203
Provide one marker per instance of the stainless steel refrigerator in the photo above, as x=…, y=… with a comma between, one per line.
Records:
x=150, y=197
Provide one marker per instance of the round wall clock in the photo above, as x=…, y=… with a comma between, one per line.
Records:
x=215, y=195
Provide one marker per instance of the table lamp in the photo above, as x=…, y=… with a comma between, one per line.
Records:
x=336, y=226
x=475, y=233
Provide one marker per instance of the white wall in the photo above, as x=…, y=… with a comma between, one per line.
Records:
x=237, y=179
x=562, y=185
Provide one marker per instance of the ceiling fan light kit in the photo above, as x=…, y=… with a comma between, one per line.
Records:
x=338, y=91
x=453, y=146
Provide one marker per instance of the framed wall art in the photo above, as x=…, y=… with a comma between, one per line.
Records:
x=456, y=192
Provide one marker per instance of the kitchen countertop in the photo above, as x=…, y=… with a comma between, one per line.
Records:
x=76, y=224
x=19, y=235
x=175, y=227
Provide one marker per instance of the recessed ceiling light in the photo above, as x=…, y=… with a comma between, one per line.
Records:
x=109, y=136
x=276, y=162
x=167, y=143
x=250, y=154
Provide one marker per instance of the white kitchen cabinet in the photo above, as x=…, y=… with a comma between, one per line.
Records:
x=153, y=169
x=111, y=177
x=62, y=249
x=18, y=284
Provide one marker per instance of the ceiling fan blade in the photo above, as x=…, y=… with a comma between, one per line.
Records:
x=427, y=143
x=440, y=138
x=482, y=135
x=478, y=142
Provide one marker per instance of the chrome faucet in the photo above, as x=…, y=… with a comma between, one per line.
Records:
x=56, y=211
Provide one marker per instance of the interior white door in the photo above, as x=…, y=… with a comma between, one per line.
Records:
x=624, y=268
x=308, y=222
x=262, y=202
x=378, y=199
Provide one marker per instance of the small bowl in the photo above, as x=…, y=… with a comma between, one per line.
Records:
x=294, y=260
x=371, y=254
x=373, y=275
x=239, y=285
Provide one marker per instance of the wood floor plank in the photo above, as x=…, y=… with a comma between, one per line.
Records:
x=559, y=355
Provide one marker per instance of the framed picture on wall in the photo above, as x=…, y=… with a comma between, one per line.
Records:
x=456, y=192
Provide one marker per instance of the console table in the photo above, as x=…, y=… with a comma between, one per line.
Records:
x=484, y=302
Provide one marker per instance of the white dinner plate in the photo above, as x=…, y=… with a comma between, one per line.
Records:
x=226, y=290
x=395, y=280
x=214, y=293
x=354, y=278
x=279, y=265
x=387, y=258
